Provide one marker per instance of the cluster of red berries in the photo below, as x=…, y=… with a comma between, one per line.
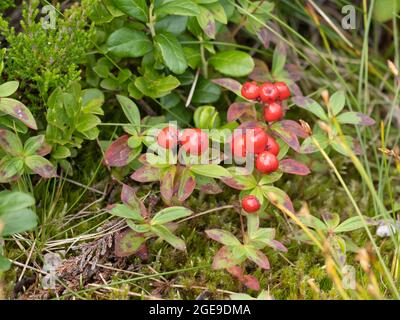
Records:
x=272, y=94
x=264, y=147
x=193, y=141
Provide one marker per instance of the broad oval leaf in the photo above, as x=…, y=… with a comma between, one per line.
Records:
x=128, y=43
x=311, y=106
x=123, y=211
x=232, y=63
x=210, y=170
x=19, y=111
x=278, y=198
x=337, y=102
x=177, y=7
x=288, y=136
x=356, y=118
x=222, y=236
x=8, y=88
x=165, y=234
x=170, y=214
x=10, y=142
x=224, y=259
x=294, y=167
x=130, y=109
x=41, y=166
x=134, y=8
x=171, y=52
x=17, y=221
x=118, y=153
x=187, y=184
x=258, y=258
x=243, y=111
x=146, y=174
x=230, y=84
x=127, y=243
x=350, y=224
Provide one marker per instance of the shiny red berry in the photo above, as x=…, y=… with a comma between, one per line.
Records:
x=257, y=140
x=250, y=90
x=283, y=89
x=238, y=145
x=266, y=162
x=168, y=138
x=250, y=204
x=273, y=112
x=268, y=93
x=194, y=141
x=272, y=146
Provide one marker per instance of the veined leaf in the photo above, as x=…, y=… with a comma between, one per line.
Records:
x=224, y=237
x=210, y=170
x=164, y=233
x=177, y=7
x=130, y=109
x=41, y=166
x=232, y=63
x=171, y=52
x=170, y=214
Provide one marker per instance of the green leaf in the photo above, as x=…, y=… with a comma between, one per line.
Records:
x=225, y=258
x=240, y=179
x=87, y=122
x=232, y=63
x=311, y=106
x=5, y=264
x=279, y=60
x=337, y=102
x=224, y=237
x=41, y=166
x=313, y=222
x=123, y=211
x=177, y=7
x=10, y=167
x=308, y=145
x=130, y=109
x=332, y=220
x=18, y=110
x=135, y=8
x=218, y=12
x=257, y=257
x=140, y=228
x=206, y=92
x=169, y=237
x=210, y=170
x=350, y=224
x=15, y=201
x=157, y=88
x=128, y=43
x=17, y=221
x=127, y=243
x=170, y=214
x=278, y=197
x=338, y=145
x=356, y=118
x=173, y=24
x=33, y=144
x=171, y=52
x=92, y=100
x=8, y=88
x=386, y=9
x=206, y=22
x=10, y=143
x=270, y=178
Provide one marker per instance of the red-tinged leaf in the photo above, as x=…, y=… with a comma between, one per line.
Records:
x=356, y=118
x=143, y=159
x=264, y=35
x=207, y=185
x=296, y=72
x=277, y=245
x=230, y=84
x=258, y=258
x=222, y=236
x=146, y=174
x=10, y=142
x=19, y=111
x=44, y=150
x=128, y=196
x=41, y=166
x=251, y=282
x=117, y=154
x=187, y=184
x=241, y=179
x=167, y=183
x=224, y=259
x=248, y=280
x=243, y=111
x=294, y=167
x=295, y=128
x=278, y=197
x=289, y=137
x=260, y=72
x=127, y=243
x=311, y=106
x=142, y=252
x=250, y=125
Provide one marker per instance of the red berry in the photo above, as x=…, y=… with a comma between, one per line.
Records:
x=266, y=162
x=250, y=90
x=168, y=138
x=250, y=204
x=238, y=145
x=273, y=146
x=283, y=89
x=258, y=139
x=268, y=93
x=194, y=141
x=273, y=112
